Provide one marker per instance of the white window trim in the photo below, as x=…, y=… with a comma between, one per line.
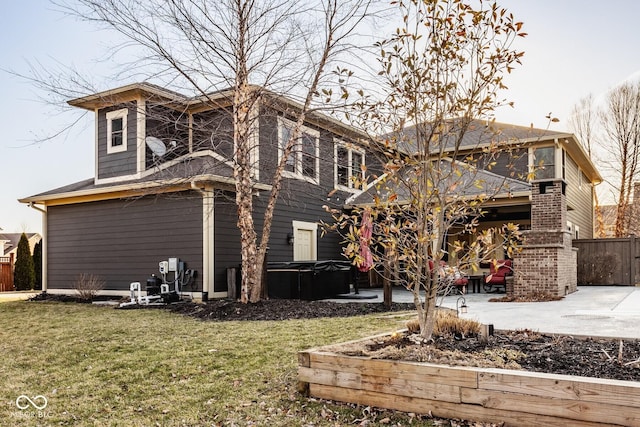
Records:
x=282, y=122
x=112, y=115
x=350, y=148
x=557, y=158
x=580, y=178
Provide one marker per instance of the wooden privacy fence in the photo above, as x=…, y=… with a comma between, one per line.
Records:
x=6, y=273
x=608, y=261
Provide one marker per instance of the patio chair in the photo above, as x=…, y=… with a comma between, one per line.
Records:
x=498, y=272
x=450, y=279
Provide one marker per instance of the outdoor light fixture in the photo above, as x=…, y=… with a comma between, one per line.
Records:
x=290, y=239
x=461, y=308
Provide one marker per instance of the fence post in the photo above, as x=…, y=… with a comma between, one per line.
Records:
x=632, y=255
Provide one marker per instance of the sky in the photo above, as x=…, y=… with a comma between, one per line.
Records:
x=573, y=48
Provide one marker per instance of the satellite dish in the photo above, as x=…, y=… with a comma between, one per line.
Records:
x=156, y=146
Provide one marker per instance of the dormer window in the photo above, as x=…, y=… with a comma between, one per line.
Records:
x=117, y=131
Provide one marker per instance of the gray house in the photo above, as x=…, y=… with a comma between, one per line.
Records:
x=164, y=188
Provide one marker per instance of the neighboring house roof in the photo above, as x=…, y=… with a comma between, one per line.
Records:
x=460, y=181
x=10, y=241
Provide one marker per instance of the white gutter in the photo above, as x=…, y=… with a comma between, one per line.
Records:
x=140, y=186
x=44, y=243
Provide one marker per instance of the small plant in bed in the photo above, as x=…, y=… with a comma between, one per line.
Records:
x=87, y=286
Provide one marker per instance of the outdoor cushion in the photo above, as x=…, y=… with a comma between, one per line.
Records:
x=498, y=275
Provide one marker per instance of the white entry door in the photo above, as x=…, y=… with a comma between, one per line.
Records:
x=305, y=241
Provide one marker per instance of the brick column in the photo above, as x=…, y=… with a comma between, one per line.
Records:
x=547, y=262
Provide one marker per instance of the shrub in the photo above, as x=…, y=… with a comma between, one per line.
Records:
x=37, y=264
x=448, y=323
x=88, y=285
x=24, y=276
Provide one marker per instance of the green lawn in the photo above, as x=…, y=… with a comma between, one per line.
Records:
x=103, y=367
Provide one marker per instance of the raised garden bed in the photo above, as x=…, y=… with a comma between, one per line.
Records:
x=515, y=397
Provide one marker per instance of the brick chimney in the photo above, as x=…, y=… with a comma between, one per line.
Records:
x=547, y=262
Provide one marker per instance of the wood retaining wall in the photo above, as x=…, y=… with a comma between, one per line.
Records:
x=518, y=398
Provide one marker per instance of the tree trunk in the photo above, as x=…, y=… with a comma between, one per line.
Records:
x=428, y=325
x=250, y=277
x=386, y=282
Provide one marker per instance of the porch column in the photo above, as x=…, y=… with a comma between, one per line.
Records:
x=548, y=262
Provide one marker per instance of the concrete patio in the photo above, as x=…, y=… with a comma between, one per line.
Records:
x=609, y=311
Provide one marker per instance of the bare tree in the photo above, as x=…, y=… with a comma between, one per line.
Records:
x=583, y=121
x=250, y=49
x=620, y=119
x=439, y=73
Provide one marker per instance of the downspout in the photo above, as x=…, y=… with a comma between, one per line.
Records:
x=44, y=243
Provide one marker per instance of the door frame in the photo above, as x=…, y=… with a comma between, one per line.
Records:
x=307, y=226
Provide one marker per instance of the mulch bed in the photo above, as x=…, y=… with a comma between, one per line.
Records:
x=273, y=309
x=523, y=349
x=281, y=309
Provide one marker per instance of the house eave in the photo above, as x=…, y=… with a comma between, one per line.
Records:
x=124, y=93
x=502, y=199
x=137, y=189
x=317, y=117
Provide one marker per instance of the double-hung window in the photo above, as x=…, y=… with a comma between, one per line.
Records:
x=348, y=167
x=303, y=161
x=117, y=131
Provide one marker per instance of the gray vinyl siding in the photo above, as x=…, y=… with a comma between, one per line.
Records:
x=227, y=235
x=213, y=130
x=117, y=164
x=122, y=241
x=579, y=199
x=301, y=200
x=171, y=127
x=226, y=238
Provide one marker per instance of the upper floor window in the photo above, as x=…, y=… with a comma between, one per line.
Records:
x=544, y=164
x=303, y=161
x=348, y=166
x=117, y=131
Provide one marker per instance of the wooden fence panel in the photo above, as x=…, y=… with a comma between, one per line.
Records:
x=608, y=261
x=6, y=273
